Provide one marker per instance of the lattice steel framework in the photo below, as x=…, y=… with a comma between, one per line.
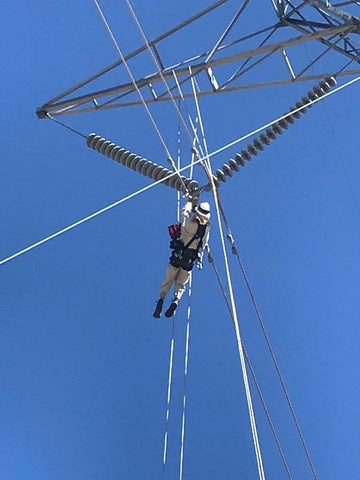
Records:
x=334, y=27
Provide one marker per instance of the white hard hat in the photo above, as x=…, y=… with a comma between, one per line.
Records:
x=203, y=210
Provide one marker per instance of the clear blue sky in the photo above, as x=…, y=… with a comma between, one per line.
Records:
x=83, y=364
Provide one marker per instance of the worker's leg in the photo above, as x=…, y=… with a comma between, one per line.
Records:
x=165, y=287
x=170, y=276
x=181, y=280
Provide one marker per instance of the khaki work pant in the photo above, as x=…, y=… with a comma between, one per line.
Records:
x=177, y=275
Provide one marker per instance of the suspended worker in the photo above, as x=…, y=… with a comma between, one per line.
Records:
x=186, y=252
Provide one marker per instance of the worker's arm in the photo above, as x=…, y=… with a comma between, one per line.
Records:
x=205, y=241
x=186, y=213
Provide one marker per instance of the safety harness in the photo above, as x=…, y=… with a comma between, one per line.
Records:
x=183, y=256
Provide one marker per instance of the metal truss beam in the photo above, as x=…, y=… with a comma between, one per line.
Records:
x=317, y=21
x=70, y=105
x=165, y=98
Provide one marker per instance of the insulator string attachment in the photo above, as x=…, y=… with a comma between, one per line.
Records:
x=272, y=132
x=141, y=165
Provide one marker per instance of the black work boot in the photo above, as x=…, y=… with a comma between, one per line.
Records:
x=157, y=311
x=170, y=311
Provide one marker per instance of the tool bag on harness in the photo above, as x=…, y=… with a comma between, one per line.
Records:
x=183, y=256
x=175, y=230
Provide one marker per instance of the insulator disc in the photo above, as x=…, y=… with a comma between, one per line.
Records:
x=245, y=154
x=306, y=101
x=291, y=119
x=258, y=144
x=296, y=114
x=331, y=81
x=151, y=169
x=265, y=139
x=134, y=162
x=325, y=87
x=104, y=145
x=277, y=128
x=227, y=170
x=252, y=149
x=300, y=104
x=140, y=165
x=148, y=165
x=123, y=157
x=312, y=95
x=240, y=160
x=129, y=159
x=220, y=175
x=271, y=134
x=111, y=152
x=162, y=174
x=157, y=173
x=167, y=178
x=317, y=90
x=284, y=123
x=97, y=142
x=118, y=155
x=233, y=165
x=89, y=139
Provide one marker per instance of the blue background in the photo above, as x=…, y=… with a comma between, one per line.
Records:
x=83, y=364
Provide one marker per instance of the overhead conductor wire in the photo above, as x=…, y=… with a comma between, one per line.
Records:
x=168, y=398
x=186, y=362
x=198, y=161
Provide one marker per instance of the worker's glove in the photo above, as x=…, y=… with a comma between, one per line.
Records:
x=198, y=264
x=198, y=261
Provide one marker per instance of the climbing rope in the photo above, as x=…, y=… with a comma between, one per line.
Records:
x=168, y=399
x=172, y=344
x=186, y=361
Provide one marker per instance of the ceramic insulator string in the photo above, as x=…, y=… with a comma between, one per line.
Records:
x=141, y=165
x=272, y=132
